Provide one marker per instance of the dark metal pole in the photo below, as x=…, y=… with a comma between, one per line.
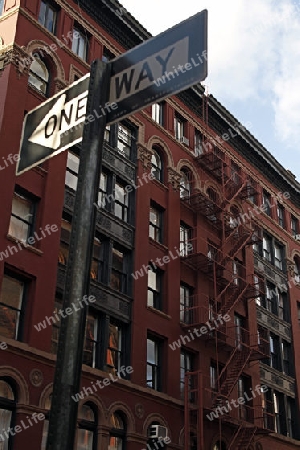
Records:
x=63, y=414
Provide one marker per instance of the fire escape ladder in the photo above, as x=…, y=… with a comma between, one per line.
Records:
x=232, y=371
x=230, y=301
x=243, y=438
x=236, y=240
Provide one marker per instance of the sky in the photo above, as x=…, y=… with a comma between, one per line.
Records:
x=253, y=63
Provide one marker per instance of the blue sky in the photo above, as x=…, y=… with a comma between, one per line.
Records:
x=254, y=63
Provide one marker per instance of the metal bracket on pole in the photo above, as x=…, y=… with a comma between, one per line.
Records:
x=63, y=414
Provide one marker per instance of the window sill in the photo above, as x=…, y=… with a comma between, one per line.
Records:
x=158, y=245
x=25, y=246
x=158, y=312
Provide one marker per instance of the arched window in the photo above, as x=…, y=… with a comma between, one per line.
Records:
x=46, y=422
x=185, y=183
x=297, y=269
x=7, y=409
x=157, y=165
x=39, y=75
x=87, y=427
x=118, y=432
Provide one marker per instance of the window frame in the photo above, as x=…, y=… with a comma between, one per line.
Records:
x=19, y=329
x=186, y=301
x=82, y=38
x=48, y=5
x=37, y=77
x=156, y=229
x=280, y=215
x=156, y=292
x=9, y=405
x=32, y=202
x=157, y=165
x=157, y=113
x=156, y=366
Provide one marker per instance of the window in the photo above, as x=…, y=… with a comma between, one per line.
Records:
x=22, y=217
x=72, y=171
x=186, y=365
x=157, y=113
x=118, y=432
x=267, y=202
x=251, y=190
x=153, y=364
x=124, y=141
x=286, y=358
x=235, y=173
x=179, y=123
x=121, y=202
x=280, y=215
x=274, y=352
x=80, y=43
x=65, y=233
x=155, y=224
x=294, y=226
x=102, y=190
x=87, y=428
x=185, y=239
x=118, y=279
x=213, y=374
x=156, y=165
x=239, y=330
x=242, y=388
x=97, y=260
x=91, y=345
x=104, y=343
x=107, y=133
x=185, y=184
x=114, y=354
x=7, y=411
x=297, y=269
x=236, y=273
x=198, y=143
x=39, y=75
x=47, y=16
x=186, y=303
x=107, y=55
x=271, y=298
x=56, y=325
x=154, y=288
x=278, y=256
x=267, y=245
x=291, y=415
x=12, y=306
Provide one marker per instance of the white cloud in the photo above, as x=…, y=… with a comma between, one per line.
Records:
x=254, y=53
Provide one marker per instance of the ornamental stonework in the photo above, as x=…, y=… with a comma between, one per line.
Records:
x=174, y=178
x=144, y=155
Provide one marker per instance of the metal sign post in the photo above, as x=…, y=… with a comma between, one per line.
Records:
x=63, y=414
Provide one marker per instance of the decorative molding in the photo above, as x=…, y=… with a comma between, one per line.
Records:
x=174, y=178
x=36, y=377
x=38, y=45
x=139, y=410
x=144, y=155
x=290, y=264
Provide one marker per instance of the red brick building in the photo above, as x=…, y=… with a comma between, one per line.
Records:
x=195, y=267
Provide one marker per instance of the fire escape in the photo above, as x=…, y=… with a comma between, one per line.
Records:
x=223, y=265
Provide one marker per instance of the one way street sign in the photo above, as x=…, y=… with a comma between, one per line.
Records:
x=162, y=66
x=54, y=126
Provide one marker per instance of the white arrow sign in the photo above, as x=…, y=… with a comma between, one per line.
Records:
x=61, y=118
